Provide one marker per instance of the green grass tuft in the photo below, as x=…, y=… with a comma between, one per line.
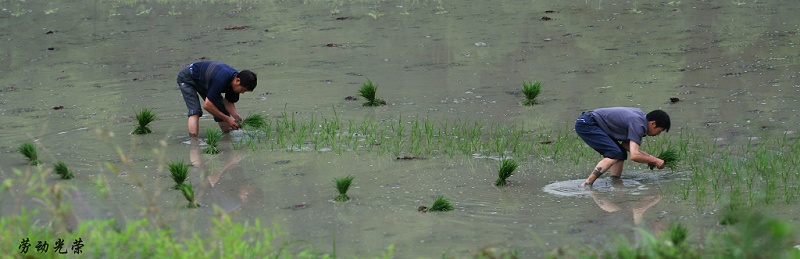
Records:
x=342, y=185
x=369, y=91
x=188, y=193
x=441, y=204
x=62, y=170
x=531, y=91
x=28, y=150
x=144, y=117
x=179, y=171
x=506, y=170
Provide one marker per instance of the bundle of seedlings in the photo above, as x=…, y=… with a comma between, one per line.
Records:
x=62, y=170
x=531, y=91
x=670, y=157
x=212, y=139
x=342, y=185
x=144, y=117
x=256, y=121
x=369, y=91
x=188, y=193
x=440, y=204
x=179, y=171
x=506, y=170
x=28, y=150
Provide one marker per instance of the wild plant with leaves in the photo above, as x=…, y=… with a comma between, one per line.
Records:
x=28, y=150
x=144, y=117
x=531, y=91
x=506, y=170
x=342, y=185
x=369, y=91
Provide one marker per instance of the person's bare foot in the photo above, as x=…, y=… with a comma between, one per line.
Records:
x=588, y=185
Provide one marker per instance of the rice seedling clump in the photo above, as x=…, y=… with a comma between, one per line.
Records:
x=28, y=150
x=506, y=170
x=62, y=170
x=188, y=192
x=342, y=185
x=670, y=157
x=441, y=204
x=212, y=139
x=369, y=92
x=179, y=171
x=254, y=121
x=144, y=117
x=531, y=91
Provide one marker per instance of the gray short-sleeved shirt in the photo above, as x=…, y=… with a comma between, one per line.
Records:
x=622, y=123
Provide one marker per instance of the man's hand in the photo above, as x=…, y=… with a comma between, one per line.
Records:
x=237, y=117
x=660, y=164
x=232, y=123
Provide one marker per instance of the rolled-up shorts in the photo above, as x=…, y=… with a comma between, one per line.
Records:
x=190, y=94
x=595, y=137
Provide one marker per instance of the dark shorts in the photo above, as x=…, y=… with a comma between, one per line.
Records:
x=190, y=94
x=595, y=137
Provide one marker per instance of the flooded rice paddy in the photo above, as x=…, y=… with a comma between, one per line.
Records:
x=74, y=74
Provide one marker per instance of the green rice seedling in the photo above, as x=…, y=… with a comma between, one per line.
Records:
x=670, y=157
x=677, y=234
x=531, y=91
x=144, y=117
x=368, y=91
x=441, y=204
x=342, y=185
x=254, y=121
x=62, y=170
x=212, y=139
x=507, y=168
x=28, y=150
x=188, y=193
x=179, y=171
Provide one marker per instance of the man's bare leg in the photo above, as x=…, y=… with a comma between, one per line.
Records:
x=194, y=127
x=601, y=168
x=616, y=169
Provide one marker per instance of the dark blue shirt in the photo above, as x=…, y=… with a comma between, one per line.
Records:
x=622, y=123
x=212, y=79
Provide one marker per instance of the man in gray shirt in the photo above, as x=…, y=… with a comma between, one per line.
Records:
x=613, y=131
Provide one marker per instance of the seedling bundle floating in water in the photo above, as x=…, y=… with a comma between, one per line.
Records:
x=342, y=185
x=531, y=91
x=144, y=117
x=506, y=170
x=179, y=171
x=62, y=170
x=212, y=139
x=440, y=204
x=369, y=91
x=29, y=151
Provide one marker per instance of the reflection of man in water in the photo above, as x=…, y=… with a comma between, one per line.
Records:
x=613, y=131
x=638, y=208
x=227, y=186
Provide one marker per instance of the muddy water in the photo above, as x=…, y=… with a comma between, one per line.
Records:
x=733, y=65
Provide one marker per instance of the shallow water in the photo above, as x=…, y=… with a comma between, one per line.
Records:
x=733, y=65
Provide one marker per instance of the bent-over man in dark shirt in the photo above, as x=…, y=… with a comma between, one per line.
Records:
x=613, y=131
x=211, y=80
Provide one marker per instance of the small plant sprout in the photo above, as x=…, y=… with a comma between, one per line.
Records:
x=188, y=193
x=212, y=139
x=28, y=150
x=441, y=204
x=368, y=91
x=342, y=185
x=254, y=121
x=144, y=117
x=179, y=171
x=670, y=157
x=507, y=168
x=62, y=170
x=531, y=91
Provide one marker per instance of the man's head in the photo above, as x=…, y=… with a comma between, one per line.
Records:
x=245, y=81
x=657, y=121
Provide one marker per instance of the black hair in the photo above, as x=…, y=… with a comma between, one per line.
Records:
x=661, y=118
x=247, y=79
